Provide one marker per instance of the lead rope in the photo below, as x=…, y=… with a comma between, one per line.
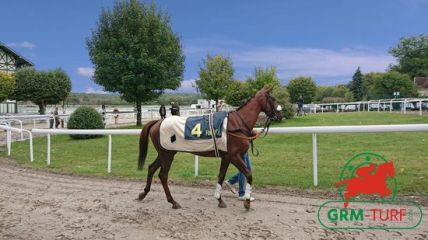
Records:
x=267, y=125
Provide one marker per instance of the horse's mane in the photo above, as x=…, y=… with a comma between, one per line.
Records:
x=245, y=103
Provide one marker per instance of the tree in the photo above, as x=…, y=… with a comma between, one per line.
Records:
x=356, y=85
x=302, y=86
x=383, y=85
x=338, y=93
x=215, y=77
x=42, y=88
x=7, y=85
x=238, y=93
x=412, y=56
x=263, y=78
x=283, y=98
x=136, y=53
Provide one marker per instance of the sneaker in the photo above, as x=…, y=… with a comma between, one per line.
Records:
x=230, y=187
x=242, y=198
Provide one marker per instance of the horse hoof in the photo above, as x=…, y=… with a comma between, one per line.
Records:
x=247, y=204
x=222, y=204
x=176, y=206
x=141, y=196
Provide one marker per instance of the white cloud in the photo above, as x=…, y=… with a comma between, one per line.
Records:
x=187, y=86
x=92, y=90
x=314, y=62
x=326, y=66
x=24, y=44
x=85, y=72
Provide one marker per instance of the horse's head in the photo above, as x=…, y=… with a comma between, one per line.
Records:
x=269, y=105
x=386, y=169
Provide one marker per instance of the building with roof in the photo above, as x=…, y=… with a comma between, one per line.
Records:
x=10, y=61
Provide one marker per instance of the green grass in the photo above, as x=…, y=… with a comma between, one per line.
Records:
x=284, y=160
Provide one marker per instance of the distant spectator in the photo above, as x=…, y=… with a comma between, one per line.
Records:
x=162, y=111
x=300, y=103
x=103, y=113
x=56, y=116
x=175, y=109
x=220, y=106
x=116, y=115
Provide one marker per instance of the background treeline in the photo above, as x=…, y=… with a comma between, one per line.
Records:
x=115, y=99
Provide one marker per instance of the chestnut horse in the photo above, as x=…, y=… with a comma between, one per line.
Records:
x=239, y=132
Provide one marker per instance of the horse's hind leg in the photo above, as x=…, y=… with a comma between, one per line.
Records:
x=221, y=175
x=166, y=162
x=152, y=169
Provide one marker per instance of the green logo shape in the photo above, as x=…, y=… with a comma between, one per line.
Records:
x=356, y=218
x=365, y=159
x=362, y=215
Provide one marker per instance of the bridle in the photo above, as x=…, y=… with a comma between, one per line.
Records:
x=269, y=101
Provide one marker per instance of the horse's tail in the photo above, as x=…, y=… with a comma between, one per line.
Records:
x=144, y=142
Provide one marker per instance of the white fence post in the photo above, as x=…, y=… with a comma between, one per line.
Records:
x=9, y=141
x=196, y=165
x=378, y=106
x=405, y=105
x=31, y=147
x=109, y=155
x=48, y=160
x=315, y=158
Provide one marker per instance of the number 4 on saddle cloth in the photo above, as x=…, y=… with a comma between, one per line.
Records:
x=194, y=134
x=198, y=128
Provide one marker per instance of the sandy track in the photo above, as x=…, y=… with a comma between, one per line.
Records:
x=40, y=205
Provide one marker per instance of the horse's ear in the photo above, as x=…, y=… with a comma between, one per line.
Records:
x=268, y=88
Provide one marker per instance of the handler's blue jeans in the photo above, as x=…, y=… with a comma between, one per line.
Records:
x=240, y=177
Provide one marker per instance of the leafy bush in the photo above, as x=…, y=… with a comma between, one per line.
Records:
x=283, y=98
x=7, y=85
x=85, y=118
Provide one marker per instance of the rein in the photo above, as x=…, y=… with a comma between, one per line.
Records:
x=265, y=130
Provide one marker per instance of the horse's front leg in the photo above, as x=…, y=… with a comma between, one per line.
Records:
x=221, y=175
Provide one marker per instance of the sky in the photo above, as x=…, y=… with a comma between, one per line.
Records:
x=326, y=40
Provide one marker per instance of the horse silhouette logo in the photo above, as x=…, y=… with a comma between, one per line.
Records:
x=371, y=179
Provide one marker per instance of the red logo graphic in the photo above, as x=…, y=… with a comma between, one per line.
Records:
x=369, y=180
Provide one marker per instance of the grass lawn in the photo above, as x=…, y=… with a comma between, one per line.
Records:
x=284, y=160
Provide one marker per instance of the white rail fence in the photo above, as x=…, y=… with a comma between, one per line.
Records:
x=278, y=130
x=379, y=105
x=9, y=131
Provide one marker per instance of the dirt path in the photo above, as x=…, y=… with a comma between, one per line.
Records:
x=40, y=205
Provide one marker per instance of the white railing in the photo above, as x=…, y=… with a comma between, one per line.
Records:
x=278, y=130
x=8, y=121
x=377, y=105
x=108, y=132
x=9, y=131
x=33, y=118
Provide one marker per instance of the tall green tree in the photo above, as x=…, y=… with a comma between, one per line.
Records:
x=302, y=86
x=263, y=77
x=238, y=93
x=283, y=98
x=412, y=56
x=356, y=85
x=328, y=94
x=7, y=85
x=215, y=77
x=42, y=88
x=383, y=85
x=135, y=52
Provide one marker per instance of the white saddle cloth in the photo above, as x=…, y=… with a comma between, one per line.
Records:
x=174, y=126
